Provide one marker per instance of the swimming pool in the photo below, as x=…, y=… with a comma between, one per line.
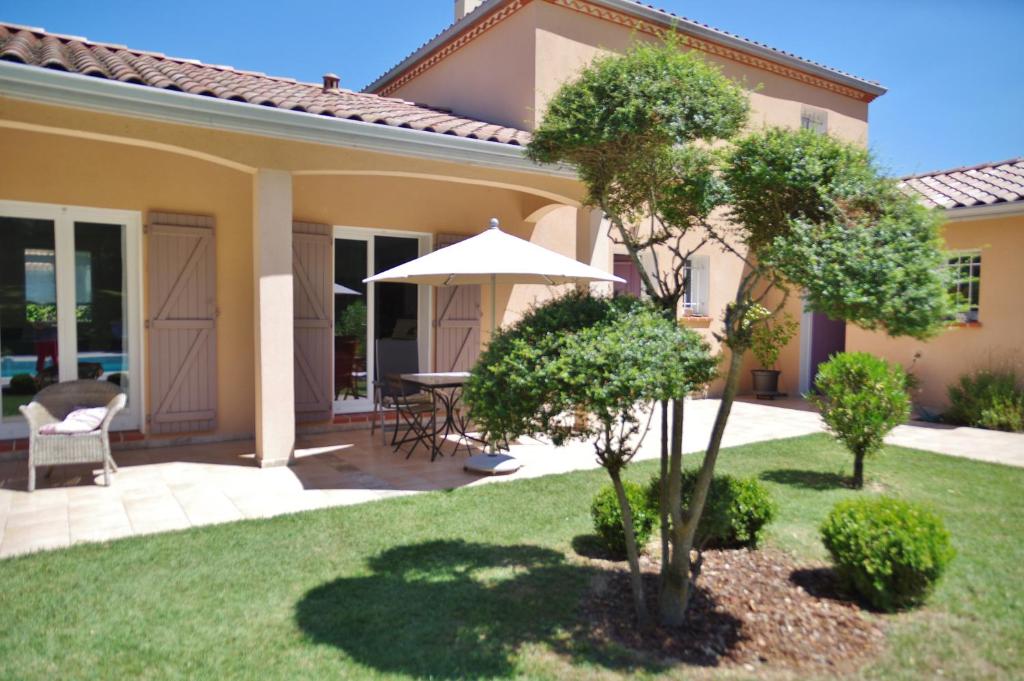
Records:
x=111, y=362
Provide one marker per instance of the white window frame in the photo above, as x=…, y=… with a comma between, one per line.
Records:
x=956, y=260
x=814, y=118
x=424, y=306
x=696, y=298
x=64, y=218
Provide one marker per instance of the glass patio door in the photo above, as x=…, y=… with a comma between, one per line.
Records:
x=365, y=313
x=67, y=304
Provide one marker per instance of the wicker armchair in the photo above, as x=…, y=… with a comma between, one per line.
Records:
x=51, y=405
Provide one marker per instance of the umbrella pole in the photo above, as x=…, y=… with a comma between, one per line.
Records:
x=494, y=328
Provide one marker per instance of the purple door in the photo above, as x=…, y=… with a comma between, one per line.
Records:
x=828, y=336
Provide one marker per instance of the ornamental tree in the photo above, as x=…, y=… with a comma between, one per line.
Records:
x=652, y=135
x=610, y=358
x=863, y=398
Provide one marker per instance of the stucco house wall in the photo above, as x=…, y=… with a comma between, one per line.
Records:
x=561, y=39
x=996, y=341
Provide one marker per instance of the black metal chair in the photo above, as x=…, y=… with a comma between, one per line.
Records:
x=394, y=357
x=415, y=416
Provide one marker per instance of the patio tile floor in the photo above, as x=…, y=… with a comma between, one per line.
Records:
x=162, y=489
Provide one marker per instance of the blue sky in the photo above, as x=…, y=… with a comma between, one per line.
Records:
x=954, y=68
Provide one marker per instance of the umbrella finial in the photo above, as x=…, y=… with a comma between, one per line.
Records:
x=494, y=223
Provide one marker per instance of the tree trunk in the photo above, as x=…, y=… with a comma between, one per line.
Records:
x=663, y=500
x=858, y=470
x=688, y=529
x=636, y=579
x=672, y=595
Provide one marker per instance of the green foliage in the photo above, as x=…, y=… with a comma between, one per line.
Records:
x=735, y=513
x=890, y=551
x=777, y=176
x=607, y=517
x=40, y=312
x=651, y=97
x=863, y=398
x=352, y=320
x=887, y=272
x=22, y=384
x=991, y=399
x=607, y=357
x=769, y=334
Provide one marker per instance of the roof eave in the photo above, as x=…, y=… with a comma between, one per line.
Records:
x=964, y=213
x=34, y=83
x=654, y=16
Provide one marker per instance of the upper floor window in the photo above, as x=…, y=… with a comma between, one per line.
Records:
x=815, y=119
x=966, y=269
x=695, y=300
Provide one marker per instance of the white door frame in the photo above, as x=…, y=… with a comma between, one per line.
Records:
x=806, y=343
x=424, y=306
x=64, y=219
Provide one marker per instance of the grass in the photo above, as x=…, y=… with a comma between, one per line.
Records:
x=476, y=583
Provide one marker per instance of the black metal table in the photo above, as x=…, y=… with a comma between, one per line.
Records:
x=444, y=388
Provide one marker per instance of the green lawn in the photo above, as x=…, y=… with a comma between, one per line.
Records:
x=476, y=583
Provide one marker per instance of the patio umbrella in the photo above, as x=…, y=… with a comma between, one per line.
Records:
x=493, y=258
x=340, y=290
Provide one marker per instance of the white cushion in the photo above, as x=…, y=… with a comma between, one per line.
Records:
x=78, y=421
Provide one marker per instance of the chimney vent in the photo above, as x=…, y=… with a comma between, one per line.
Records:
x=464, y=7
x=331, y=82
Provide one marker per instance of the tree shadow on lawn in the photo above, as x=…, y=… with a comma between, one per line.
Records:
x=816, y=480
x=455, y=609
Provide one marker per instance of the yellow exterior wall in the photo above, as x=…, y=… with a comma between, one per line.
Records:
x=997, y=341
x=60, y=170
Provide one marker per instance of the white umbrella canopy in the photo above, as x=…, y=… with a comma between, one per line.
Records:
x=493, y=257
x=340, y=290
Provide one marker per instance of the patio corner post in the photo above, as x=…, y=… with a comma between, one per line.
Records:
x=593, y=247
x=273, y=332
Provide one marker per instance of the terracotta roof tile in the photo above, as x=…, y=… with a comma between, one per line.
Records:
x=36, y=47
x=985, y=184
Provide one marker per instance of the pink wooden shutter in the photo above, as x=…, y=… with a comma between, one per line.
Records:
x=457, y=322
x=312, y=263
x=182, y=308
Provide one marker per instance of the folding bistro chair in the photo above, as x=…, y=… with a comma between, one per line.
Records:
x=394, y=358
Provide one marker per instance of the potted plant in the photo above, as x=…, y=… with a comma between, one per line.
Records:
x=768, y=338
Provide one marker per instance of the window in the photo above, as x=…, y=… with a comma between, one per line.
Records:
x=814, y=119
x=695, y=300
x=966, y=271
x=69, y=304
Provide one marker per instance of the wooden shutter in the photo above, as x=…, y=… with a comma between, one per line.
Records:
x=457, y=322
x=313, y=265
x=182, y=308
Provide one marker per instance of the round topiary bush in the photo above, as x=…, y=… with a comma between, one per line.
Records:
x=608, y=518
x=23, y=384
x=889, y=551
x=735, y=514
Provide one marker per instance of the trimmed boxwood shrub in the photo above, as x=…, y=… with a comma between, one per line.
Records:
x=608, y=519
x=23, y=384
x=889, y=551
x=736, y=512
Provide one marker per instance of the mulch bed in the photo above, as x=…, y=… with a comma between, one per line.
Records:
x=751, y=609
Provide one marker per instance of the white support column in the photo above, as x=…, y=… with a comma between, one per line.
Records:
x=593, y=245
x=273, y=333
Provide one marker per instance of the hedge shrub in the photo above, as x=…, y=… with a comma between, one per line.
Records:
x=736, y=512
x=608, y=518
x=889, y=551
x=23, y=384
x=988, y=399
